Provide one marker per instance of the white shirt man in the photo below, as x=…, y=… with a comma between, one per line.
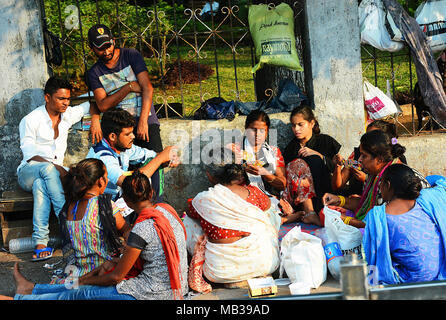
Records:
x=43, y=141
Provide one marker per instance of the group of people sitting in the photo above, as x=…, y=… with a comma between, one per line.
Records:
x=230, y=232
x=374, y=190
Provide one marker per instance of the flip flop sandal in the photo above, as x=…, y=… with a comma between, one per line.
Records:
x=38, y=251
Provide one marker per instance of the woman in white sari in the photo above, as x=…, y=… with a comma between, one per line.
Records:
x=240, y=226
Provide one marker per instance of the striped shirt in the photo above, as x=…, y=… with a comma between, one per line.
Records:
x=87, y=238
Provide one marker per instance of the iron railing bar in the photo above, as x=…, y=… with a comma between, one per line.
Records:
x=138, y=27
x=161, y=54
x=118, y=23
x=44, y=24
x=82, y=40
x=233, y=52
x=411, y=92
x=374, y=66
x=392, y=75
x=178, y=54
x=97, y=12
x=198, y=53
x=253, y=58
x=64, y=49
x=215, y=50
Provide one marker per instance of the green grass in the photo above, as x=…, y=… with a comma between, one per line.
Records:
x=401, y=69
x=194, y=94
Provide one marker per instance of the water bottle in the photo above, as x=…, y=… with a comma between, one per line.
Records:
x=332, y=250
x=22, y=245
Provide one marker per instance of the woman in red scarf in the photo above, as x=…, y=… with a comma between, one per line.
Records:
x=153, y=265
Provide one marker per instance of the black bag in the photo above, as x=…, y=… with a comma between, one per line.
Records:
x=216, y=108
x=202, y=112
x=53, y=53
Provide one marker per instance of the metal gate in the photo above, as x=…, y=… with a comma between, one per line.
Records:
x=194, y=50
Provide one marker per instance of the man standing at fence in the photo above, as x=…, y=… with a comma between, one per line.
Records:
x=43, y=141
x=120, y=78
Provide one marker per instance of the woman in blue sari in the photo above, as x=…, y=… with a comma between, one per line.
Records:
x=405, y=237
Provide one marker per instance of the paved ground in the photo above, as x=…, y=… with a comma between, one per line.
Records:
x=36, y=272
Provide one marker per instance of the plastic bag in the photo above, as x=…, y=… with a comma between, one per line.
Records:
x=377, y=103
x=348, y=237
x=303, y=258
x=216, y=108
x=224, y=110
x=372, y=20
x=394, y=32
x=53, y=52
x=431, y=16
x=272, y=31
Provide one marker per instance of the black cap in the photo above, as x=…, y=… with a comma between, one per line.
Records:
x=99, y=35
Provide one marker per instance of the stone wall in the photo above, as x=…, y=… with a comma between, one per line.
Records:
x=24, y=73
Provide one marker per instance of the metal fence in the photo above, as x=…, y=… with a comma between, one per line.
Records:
x=193, y=53
x=395, y=74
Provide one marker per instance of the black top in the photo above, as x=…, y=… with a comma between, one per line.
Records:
x=322, y=143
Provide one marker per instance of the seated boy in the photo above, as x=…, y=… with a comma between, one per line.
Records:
x=43, y=141
x=118, y=152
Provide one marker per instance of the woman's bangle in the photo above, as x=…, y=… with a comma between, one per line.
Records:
x=342, y=198
x=130, y=86
x=347, y=220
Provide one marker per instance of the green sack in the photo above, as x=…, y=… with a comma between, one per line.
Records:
x=272, y=31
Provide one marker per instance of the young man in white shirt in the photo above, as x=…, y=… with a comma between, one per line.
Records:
x=43, y=141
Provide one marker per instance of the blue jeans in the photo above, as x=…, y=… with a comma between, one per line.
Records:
x=43, y=180
x=61, y=292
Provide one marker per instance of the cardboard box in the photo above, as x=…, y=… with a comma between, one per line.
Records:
x=261, y=287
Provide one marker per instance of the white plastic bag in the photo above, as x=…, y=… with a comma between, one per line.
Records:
x=372, y=20
x=377, y=103
x=431, y=16
x=303, y=258
x=348, y=237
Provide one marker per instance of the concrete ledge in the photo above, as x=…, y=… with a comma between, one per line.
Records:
x=426, y=153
